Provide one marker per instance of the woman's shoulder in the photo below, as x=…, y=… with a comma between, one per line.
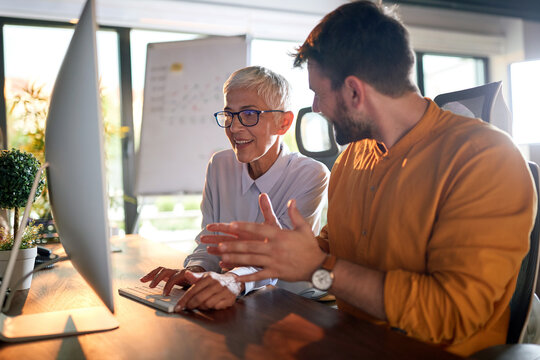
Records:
x=304, y=164
x=223, y=156
x=224, y=159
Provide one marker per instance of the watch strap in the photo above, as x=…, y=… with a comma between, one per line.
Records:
x=329, y=262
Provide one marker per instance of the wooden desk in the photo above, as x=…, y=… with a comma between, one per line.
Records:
x=269, y=324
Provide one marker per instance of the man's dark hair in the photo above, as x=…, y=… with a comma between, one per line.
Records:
x=365, y=40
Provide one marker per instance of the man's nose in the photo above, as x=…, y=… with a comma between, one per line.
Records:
x=315, y=106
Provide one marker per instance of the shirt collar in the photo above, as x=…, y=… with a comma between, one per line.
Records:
x=267, y=180
x=422, y=128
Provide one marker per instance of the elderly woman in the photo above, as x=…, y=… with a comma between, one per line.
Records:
x=255, y=118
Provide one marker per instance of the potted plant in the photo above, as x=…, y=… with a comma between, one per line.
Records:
x=17, y=172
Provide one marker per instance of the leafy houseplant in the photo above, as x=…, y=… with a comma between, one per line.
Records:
x=17, y=172
x=31, y=233
x=26, y=256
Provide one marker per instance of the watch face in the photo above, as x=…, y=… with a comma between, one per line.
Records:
x=322, y=279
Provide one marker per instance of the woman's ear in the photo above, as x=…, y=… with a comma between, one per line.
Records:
x=285, y=122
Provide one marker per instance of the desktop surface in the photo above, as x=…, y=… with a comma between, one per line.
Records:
x=269, y=324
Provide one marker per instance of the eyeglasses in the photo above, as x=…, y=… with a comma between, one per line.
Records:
x=246, y=117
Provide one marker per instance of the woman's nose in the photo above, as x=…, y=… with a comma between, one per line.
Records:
x=236, y=124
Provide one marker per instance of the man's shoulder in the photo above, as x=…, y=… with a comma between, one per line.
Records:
x=477, y=133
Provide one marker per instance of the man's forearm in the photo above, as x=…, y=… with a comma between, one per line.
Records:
x=359, y=286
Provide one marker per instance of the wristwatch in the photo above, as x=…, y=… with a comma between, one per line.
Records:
x=323, y=278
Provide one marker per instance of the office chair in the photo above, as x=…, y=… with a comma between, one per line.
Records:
x=486, y=102
x=313, y=131
x=474, y=102
x=521, y=303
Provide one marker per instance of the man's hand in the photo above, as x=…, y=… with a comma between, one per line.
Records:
x=267, y=211
x=209, y=290
x=291, y=255
x=269, y=219
x=171, y=276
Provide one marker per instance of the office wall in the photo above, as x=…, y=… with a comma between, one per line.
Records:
x=464, y=32
x=531, y=30
x=277, y=19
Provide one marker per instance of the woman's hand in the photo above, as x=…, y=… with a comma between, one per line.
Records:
x=171, y=276
x=209, y=290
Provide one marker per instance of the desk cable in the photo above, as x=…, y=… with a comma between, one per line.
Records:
x=8, y=299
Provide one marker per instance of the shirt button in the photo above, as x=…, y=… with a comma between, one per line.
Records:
x=372, y=188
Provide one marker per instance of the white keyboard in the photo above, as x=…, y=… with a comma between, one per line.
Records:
x=153, y=297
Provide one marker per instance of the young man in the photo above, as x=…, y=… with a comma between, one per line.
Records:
x=429, y=212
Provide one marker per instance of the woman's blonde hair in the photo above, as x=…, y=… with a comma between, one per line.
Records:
x=273, y=88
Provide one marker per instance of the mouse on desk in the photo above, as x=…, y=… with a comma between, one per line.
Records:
x=44, y=255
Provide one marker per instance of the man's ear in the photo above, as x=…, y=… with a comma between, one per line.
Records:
x=285, y=122
x=354, y=91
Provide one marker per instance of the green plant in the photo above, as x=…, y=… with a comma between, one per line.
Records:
x=17, y=172
x=31, y=233
x=165, y=203
x=191, y=202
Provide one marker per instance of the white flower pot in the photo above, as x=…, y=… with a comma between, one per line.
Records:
x=23, y=265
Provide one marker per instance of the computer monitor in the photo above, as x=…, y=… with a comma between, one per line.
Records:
x=77, y=189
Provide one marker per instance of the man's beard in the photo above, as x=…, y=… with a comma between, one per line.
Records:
x=347, y=129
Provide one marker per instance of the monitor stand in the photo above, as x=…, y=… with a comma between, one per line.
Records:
x=49, y=324
x=56, y=324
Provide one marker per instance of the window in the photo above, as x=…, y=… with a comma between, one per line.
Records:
x=440, y=73
x=525, y=77
x=33, y=55
x=276, y=56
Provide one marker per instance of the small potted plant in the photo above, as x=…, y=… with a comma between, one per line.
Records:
x=17, y=172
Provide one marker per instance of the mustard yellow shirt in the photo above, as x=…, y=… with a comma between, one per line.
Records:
x=446, y=212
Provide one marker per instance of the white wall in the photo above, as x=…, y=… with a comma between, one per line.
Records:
x=276, y=19
x=431, y=29
x=531, y=31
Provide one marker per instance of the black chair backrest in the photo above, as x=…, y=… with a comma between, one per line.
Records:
x=520, y=305
x=327, y=156
x=478, y=101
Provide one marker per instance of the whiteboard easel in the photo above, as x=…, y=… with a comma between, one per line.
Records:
x=183, y=88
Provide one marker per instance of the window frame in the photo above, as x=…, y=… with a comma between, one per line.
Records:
x=126, y=106
x=420, y=77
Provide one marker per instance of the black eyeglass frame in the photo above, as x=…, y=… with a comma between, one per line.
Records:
x=237, y=114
